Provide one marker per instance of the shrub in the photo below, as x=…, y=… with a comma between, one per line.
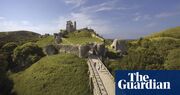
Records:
x=5, y=83
x=7, y=51
x=27, y=54
x=9, y=47
x=3, y=63
x=173, y=60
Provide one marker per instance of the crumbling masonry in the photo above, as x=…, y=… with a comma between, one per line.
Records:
x=70, y=27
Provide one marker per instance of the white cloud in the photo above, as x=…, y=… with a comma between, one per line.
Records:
x=85, y=20
x=76, y=3
x=151, y=24
x=2, y=18
x=106, y=6
x=139, y=17
x=167, y=14
x=104, y=9
x=8, y=25
x=147, y=17
x=11, y=26
x=84, y=17
x=24, y=22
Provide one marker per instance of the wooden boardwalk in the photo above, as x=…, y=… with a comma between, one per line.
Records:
x=104, y=80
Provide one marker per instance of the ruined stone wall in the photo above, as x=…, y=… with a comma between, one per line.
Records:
x=101, y=50
x=80, y=50
x=83, y=51
x=68, y=49
x=50, y=50
x=70, y=27
x=123, y=46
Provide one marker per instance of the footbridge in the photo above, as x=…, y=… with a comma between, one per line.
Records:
x=102, y=81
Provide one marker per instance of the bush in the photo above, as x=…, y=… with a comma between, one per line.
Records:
x=27, y=54
x=112, y=55
x=173, y=60
x=5, y=83
x=9, y=47
x=7, y=51
x=3, y=63
x=140, y=59
x=133, y=61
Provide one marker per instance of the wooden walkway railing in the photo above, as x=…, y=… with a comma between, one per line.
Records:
x=99, y=88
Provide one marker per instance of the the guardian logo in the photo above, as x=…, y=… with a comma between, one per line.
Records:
x=138, y=81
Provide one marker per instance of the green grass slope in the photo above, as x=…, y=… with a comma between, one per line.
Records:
x=81, y=37
x=17, y=36
x=45, y=41
x=62, y=74
x=172, y=32
x=166, y=37
x=159, y=51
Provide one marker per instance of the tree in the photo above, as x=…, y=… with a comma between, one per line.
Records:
x=7, y=51
x=9, y=47
x=140, y=41
x=3, y=63
x=26, y=55
x=5, y=83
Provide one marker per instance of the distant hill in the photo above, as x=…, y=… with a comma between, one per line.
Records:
x=17, y=36
x=172, y=32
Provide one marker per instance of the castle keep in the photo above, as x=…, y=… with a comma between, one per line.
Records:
x=70, y=27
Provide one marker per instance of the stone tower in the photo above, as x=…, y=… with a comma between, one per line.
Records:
x=70, y=27
x=74, y=25
x=115, y=44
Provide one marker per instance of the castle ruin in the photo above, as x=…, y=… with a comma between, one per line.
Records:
x=80, y=50
x=70, y=27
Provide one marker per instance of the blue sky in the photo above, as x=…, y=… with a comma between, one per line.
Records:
x=122, y=19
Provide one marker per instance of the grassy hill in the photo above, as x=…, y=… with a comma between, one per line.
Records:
x=62, y=74
x=172, y=32
x=45, y=41
x=17, y=36
x=165, y=37
x=159, y=51
x=81, y=37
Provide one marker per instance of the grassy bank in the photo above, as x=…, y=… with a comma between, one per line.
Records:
x=80, y=37
x=62, y=74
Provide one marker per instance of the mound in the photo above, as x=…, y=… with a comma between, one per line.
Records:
x=172, y=32
x=82, y=36
x=63, y=74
